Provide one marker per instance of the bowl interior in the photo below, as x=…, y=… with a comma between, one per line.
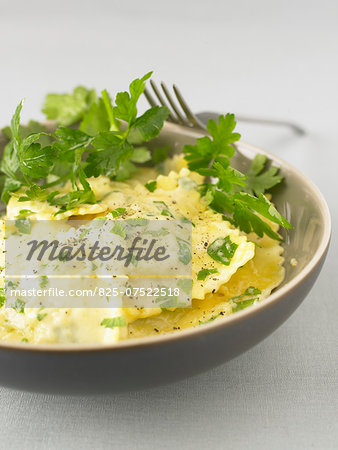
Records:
x=297, y=198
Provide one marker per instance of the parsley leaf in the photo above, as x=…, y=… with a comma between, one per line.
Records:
x=68, y=109
x=41, y=316
x=19, y=306
x=24, y=159
x=222, y=250
x=71, y=199
x=160, y=154
x=241, y=301
x=44, y=281
x=219, y=149
x=202, y=274
x=245, y=217
x=99, y=145
x=259, y=180
x=23, y=226
x=9, y=187
x=233, y=193
x=118, y=212
x=251, y=290
x=113, y=322
x=35, y=192
x=119, y=229
x=125, y=108
x=164, y=208
x=151, y=186
x=244, y=304
x=140, y=155
x=151, y=122
x=184, y=251
x=95, y=119
x=32, y=127
x=110, y=152
x=185, y=284
x=201, y=322
x=2, y=297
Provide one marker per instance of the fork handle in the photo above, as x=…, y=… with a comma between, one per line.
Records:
x=206, y=115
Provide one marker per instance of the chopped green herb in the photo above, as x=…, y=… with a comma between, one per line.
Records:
x=185, y=284
x=64, y=255
x=83, y=233
x=151, y=186
x=184, y=251
x=44, y=281
x=241, y=301
x=113, y=322
x=251, y=290
x=41, y=316
x=24, y=213
x=222, y=250
x=119, y=229
x=2, y=297
x=202, y=274
x=167, y=300
x=200, y=322
x=19, y=306
x=186, y=220
x=157, y=233
x=23, y=226
x=244, y=304
x=164, y=208
x=24, y=340
x=118, y=212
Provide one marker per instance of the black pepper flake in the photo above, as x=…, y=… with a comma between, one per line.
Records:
x=155, y=329
x=213, y=291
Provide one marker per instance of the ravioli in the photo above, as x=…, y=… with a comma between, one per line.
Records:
x=251, y=265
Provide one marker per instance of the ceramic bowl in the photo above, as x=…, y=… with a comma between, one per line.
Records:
x=152, y=361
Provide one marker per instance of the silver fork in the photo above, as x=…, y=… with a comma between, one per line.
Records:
x=183, y=115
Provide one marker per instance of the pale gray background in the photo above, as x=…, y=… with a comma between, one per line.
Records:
x=269, y=58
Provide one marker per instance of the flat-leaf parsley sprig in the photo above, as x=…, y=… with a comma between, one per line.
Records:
x=102, y=144
x=233, y=193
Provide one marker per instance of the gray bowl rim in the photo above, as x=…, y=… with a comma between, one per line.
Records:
x=276, y=296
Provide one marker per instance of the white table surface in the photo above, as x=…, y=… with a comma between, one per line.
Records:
x=263, y=57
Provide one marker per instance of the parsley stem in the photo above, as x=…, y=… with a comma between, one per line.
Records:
x=109, y=109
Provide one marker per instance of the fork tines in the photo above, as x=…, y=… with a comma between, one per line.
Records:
x=185, y=117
